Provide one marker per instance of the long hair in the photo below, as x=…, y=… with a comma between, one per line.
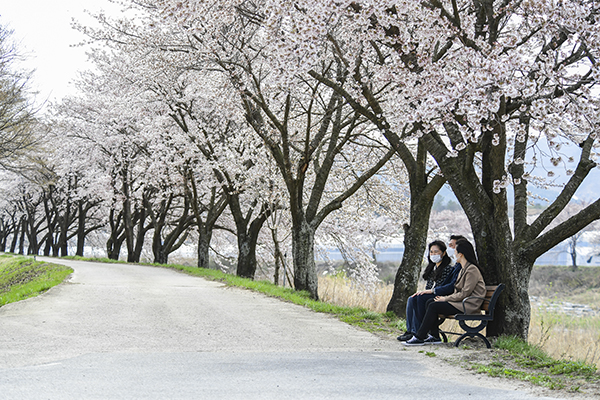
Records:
x=466, y=249
x=430, y=271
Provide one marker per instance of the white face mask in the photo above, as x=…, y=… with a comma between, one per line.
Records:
x=436, y=258
x=451, y=252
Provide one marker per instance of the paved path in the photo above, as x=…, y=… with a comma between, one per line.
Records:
x=116, y=331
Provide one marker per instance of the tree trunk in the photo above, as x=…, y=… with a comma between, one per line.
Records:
x=141, y=235
x=161, y=256
x=15, y=237
x=246, y=262
x=129, y=234
x=218, y=202
x=114, y=247
x=48, y=245
x=33, y=247
x=278, y=257
x=128, y=219
x=164, y=243
x=22, y=238
x=63, y=243
x=305, y=270
x=204, y=237
x=573, y=252
x=513, y=311
x=247, y=239
x=116, y=238
x=407, y=276
x=64, y=230
x=55, y=249
x=81, y=217
x=3, y=236
x=50, y=221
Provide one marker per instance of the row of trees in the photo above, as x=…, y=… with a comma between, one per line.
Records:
x=17, y=122
x=295, y=108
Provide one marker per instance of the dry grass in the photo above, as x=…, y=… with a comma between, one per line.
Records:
x=342, y=291
x=566, y=336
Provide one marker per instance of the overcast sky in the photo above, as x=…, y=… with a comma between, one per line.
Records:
x=43, y=29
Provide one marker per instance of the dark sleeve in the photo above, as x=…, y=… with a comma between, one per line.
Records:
x=448, y=287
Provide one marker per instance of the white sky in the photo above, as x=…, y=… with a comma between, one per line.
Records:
x=43, y=30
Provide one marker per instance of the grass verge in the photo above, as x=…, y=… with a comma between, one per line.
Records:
x=514, y=358
x=22, y=277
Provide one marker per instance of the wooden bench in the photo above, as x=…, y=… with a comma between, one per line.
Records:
x=488, y=305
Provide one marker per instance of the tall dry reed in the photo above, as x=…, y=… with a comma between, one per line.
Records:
x=343, y=291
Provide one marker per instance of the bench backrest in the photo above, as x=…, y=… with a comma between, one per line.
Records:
x=491, y=297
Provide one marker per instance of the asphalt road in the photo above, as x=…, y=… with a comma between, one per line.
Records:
x=116, y=331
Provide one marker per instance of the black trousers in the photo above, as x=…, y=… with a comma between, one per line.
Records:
x=430, y=321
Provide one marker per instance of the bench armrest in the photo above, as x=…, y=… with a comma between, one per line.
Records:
x=472, y=297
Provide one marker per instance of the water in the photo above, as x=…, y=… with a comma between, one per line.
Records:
x=580, y=310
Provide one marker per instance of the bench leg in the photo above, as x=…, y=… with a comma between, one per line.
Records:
x=444, y=337
x=473, y=335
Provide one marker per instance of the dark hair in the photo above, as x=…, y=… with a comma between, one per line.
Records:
x=466, y=249
x=457, y=237
x=430, y=271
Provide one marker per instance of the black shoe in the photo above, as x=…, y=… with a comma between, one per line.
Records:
x=415, y=341
x=406, y=336
x=432, y=340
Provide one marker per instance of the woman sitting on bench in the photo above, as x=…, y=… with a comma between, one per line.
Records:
x=469, y=283
x=440, y=277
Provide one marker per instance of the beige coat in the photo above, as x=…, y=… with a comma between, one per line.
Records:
x=469, y=283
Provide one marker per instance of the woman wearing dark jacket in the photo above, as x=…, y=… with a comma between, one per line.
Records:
x=438, y=273
x=468, y=283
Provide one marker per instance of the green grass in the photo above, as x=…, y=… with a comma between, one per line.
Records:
x=533, y=365
x=22, y=277
x=527, y=355
x=537, y=379
x=96, y=259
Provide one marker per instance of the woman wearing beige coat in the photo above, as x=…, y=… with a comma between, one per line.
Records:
x=469, y=283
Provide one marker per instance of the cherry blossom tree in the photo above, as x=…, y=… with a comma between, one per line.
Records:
x=372, y=216
x=11, y=215
x=105, y=120
x=221, y=142
x=17, y=110
x=480, y=84
x=533, y=68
